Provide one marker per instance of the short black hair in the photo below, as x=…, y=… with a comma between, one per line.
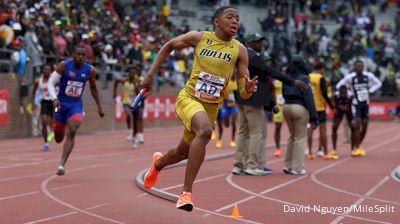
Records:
x=358, y=61
x=219, y=12
x=319, y=66
x=79, y=46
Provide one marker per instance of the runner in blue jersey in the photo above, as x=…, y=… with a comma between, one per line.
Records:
x=71, y=75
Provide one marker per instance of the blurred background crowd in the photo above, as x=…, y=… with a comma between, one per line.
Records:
x=119, y=34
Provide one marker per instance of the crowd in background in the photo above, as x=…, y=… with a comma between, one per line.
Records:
x=117, y=35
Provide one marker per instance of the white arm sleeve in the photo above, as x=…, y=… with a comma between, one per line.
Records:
x=53, y=81
x=344, y=81
x=374, y=82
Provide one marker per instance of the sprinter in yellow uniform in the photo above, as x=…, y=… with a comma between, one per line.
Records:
x=216, y=56
x=319, y=87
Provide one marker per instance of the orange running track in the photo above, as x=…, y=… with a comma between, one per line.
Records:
x=99, y=185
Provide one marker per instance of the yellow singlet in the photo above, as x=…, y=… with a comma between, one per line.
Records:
x=129, y=92
x=213, y=67
x=315, y=79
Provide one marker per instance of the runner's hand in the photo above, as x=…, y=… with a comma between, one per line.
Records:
x=147, y=83
x=100, y=111
x=56, y=105
x=251, y=85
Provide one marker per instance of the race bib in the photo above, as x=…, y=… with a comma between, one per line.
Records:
x=280, y=99
x=362, y=95
x=209, y=86
x=74, y=88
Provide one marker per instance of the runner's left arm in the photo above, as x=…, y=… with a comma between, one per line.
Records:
x=374, y=82
x=94, y=92
x=325, y=92
x=246, y=87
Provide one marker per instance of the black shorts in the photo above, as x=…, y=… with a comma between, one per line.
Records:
x=360, y=111
x=322, y=116
x=46, y=107
x=341, y=113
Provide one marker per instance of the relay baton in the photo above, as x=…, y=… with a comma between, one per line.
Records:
x=138, y=100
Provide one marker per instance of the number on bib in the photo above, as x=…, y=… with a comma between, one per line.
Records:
x=362, y=95
x=74, y=88
x=209, y=86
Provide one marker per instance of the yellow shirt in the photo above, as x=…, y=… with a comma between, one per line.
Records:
x=315, y=79
x=213, y=66
x=129, y=92
x=278, y=92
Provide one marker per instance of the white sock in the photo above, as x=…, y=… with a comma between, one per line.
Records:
x=46, y=144
x=130, y=132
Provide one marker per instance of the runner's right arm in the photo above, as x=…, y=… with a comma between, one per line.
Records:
x=53, y=81
x=35, y=86
x=189, y=39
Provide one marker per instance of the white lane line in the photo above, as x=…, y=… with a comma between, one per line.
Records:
x=360, y=200
x=318, y=182
x=297, y=205
x=19, y=195
x=225, y=216
x=230, y=181
x=65, y=186
x=51, y=218
x=180, y=185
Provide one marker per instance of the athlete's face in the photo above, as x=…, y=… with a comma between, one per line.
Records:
x=228, y=21
x=46, y=71
x=359, y=67
x=79, y=55
x=343, y=92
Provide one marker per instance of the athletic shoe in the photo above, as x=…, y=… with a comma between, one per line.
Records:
x=286, y=170
x=355, y=152
x=185, y=201
x=298, y=172
x=333, y=155
x=213, y=135
x=218, y=144
x=310, y=157
x=237, y=170
x=361, y=150
x=267, y=170
x=232, y=144
x=135, y=142
x=320, y=153
x=45, y=148
x=50, y=137
x=256, y=172
x=277, y=152
x=140, y=137
x=129, y=138
x=60, y=170
x=151, y=176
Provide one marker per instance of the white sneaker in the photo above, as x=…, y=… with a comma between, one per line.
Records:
x=256, y=172
x=140, y=136
x=60, y=170
x=237, y=170
x=135, y=142
x=320, y=153
x=129, y=138
x=298, y=172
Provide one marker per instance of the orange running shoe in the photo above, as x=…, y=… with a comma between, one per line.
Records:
x=151, y=176
x=185, y=201
x=219, y=143
x=277, y=152
x=310, y=156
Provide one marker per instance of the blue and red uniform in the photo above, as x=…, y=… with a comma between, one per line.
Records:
x=72, y=85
